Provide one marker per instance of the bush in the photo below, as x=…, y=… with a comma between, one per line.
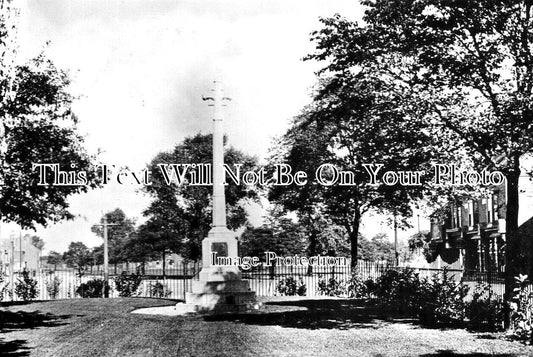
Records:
x=26, y=289
x=435, y=301
x=290, y=287
x=52, y=287
x=371, y=287
x=485, y=311
x=92, y=289
x=442, y=300
x=4, y=287
x=357, y=288
x=400, y=290
x=331, y=287
x=127, y=285
x=521, y=309
x=158, y=290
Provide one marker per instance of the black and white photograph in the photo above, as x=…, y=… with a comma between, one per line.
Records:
x=266, y=178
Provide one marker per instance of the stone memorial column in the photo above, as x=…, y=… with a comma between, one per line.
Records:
x=219, y=288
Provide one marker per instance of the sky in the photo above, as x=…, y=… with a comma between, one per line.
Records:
x=140, y=69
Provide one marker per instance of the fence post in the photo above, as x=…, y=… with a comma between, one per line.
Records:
x=184, y=277
x=12, y=268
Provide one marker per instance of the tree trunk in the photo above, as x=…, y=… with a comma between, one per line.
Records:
x=354, y=235
x=512, y=239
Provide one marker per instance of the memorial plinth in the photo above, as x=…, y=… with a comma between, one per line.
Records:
x=219, y=288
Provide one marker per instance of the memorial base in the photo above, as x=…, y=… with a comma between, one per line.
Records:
x=219, y=288
x=220, y=296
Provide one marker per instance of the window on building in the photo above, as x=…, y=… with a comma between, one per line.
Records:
x=453, y=218
x=495, y=206
x=470, y=213
x=476, y=212
x=490, y=210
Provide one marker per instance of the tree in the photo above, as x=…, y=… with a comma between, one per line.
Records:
x=37, y=125
x=142, y=245
x=350, y=124
x=325, y=237
x=279, y=234
x=154, y=239
x=468, y=63
x=8, y=25
x=179, y=217
x=37, y=242
x=54, y=258
x=77, y=256
x=97, y=255
x=418, y=244
x=418, y=240
x=377, y=249
x=118, y=233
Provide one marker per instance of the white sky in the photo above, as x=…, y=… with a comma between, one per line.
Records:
x=141, y=68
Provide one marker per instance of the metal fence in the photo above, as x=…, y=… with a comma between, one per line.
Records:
x=171, y=283
x=265, y=280
x=174, y=283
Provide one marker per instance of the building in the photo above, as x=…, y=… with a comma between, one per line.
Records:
x=470, y=235
x=21, y=251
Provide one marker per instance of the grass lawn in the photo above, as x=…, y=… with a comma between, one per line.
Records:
x=328, y=327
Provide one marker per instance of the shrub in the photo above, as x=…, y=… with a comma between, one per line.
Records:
x=442, y=300
x=331, y=287
x=434, y=301
x=354, y=287
x=92, y=288
x=485, y=311
x=521, y=308
x=371, y=287
x=290, y=287
x=4, y=287
x=52, y=287
x=127, y=285
x=357, y=288
x=26, y=289
x=158, y=290
x=400, y=290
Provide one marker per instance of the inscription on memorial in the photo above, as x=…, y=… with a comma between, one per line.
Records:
x=220, y=248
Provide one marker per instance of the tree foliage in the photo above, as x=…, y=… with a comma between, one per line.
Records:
x=37, y=125
x=279, y=234
x=77, y=256
x=54, y=258
x=179, y=216
x=118, y=234
x=36, y=241
x=26, y=288
x=468, y=64
x=354, y=120
x=379, y=248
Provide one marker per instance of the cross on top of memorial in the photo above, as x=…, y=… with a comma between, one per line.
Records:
x=217, y=98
